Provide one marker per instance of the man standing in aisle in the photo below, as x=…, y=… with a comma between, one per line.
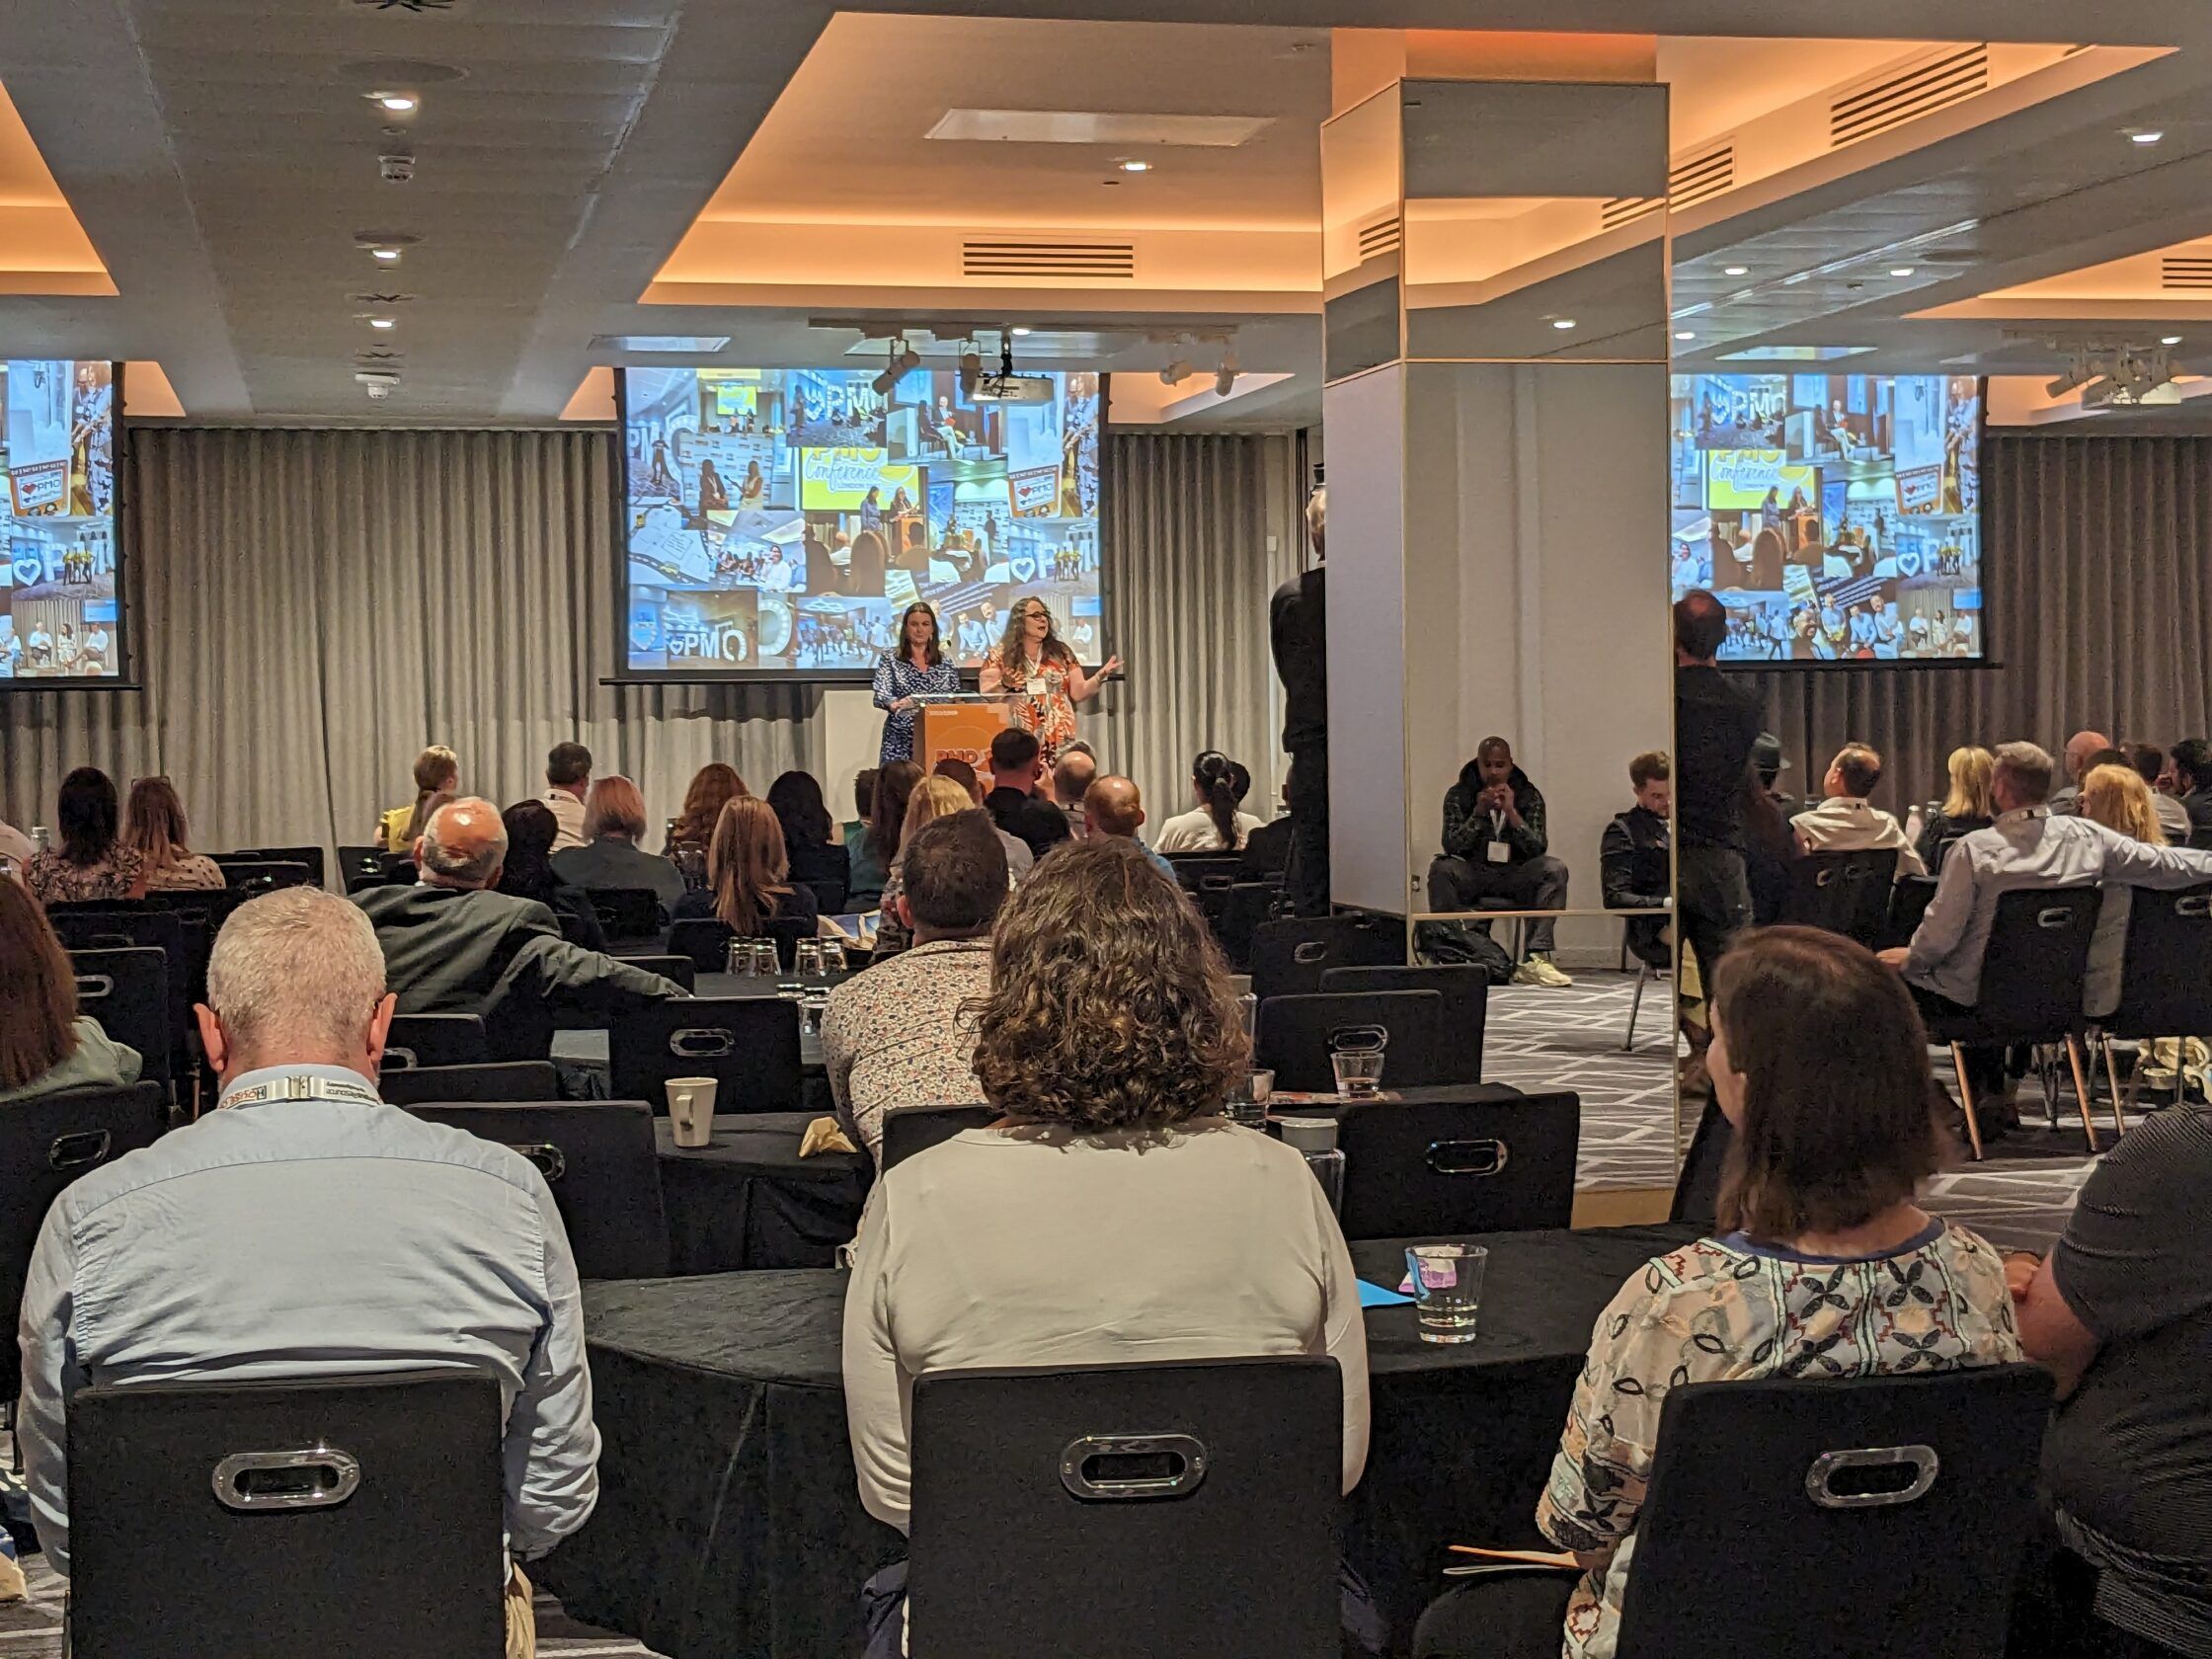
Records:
x=567, y=775
x=1716, y=788
x=1298, y=635
x=1495, y=846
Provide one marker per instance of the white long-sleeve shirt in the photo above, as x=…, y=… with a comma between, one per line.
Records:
x=1038, y=1248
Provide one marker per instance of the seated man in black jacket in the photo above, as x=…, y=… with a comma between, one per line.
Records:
x=453, y=945
x=1633, y=867
x=1017, y=765
x=1494, y=847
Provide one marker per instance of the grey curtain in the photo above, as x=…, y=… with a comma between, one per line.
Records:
x=2097, y=555
x=310, y=608
x=1201, y=531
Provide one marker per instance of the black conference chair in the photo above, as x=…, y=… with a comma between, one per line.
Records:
x=704, y=940
x=351, y=1518
x=1908, y=903
x=1845, y=892
x=749, y=1045
x=1493, y=1160
x=311, y=856
x=1163, y=1509
x=681, y=968
x=1697, y=1197
x=1289, y=957
x=1244, y=907
x=361, y=866
x=420, y=1040
x=908, y=1130
x=125, y=926
x=2166, y=979
x=127, y=992
x=1297, y=1034
x=46, y=1144
x=440, y=1086
x=1466, y=990
x=2032, y=973
x=628, y=913
x=598, y=1159
x=1191, y=868
x=251, y=877
x=1924, y=1485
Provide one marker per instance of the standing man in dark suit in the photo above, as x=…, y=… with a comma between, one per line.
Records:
x=1299, y=636
x=452, y=945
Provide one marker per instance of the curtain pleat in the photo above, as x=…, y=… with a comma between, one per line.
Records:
x=2098, y=565
x=310, y=608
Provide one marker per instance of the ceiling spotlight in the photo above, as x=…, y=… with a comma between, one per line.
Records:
x=1684, y=333
x=384, y=255
x=1562, y=322
x=1735, y=271
x=398, y=103
x=2077, y=374
x=1137, y=167
x=384, y=322
x=2169, y=340
x=1019, y=330
x=902, y=357
x=2144, y=134
x=1175, y=373
x=1900, y=270
x=971, y=370
x=1224, y=378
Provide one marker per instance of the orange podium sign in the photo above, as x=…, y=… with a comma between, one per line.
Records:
x=962, y=731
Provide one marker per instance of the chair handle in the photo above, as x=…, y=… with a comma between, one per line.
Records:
x=701, y=1042
x=296, y=1480
x=1467, y=1157
x=80, y=1151
x=1083, y=1466
x=1820, y=1478
x=397, y=1059
x=1309, y=950
x=1359, y=1039
x=91, y=987
x=551, y=1161
x=1821, y=878
x=2055, y=917
x=2193, y=905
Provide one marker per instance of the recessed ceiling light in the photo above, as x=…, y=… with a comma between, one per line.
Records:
x=2169, y=340
x=398, y=103
x=384, y=255
x=1562, y=322
x=1900, y=270
x=384, y=322
x=1019, y=329
x=2144, y=134
x=1684, y=333
x=1735, y=271
x=1133, y=166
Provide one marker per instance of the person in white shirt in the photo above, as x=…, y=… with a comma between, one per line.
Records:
x=1214, y=824
x=1111, y=1214
x=1845, y=823
x=568, y=779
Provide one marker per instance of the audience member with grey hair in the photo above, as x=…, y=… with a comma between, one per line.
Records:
x=452, y=945
x=2026, y=848
x=266, y=1240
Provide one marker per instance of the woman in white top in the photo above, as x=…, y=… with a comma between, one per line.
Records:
x=1111, y=1214
x=1219, y=786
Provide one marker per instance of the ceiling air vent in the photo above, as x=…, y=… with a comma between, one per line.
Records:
x=1626, y=209
x=1693, y=180
x=2185, y=271
x=1382, y=237
x=417, y=6
x=1103, y=262
x=1895, y=99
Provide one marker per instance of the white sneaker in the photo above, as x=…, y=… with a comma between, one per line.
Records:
x=1539, y=971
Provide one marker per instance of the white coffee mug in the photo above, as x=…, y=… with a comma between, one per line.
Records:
x=691, y=1110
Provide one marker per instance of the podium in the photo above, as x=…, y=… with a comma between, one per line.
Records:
x=959, y=727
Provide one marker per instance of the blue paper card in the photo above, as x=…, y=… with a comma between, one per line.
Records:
x=1375, y=1295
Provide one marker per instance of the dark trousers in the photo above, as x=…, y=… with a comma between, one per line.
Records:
x=1305, y=883
x=1713, y=897
x=1533, y=884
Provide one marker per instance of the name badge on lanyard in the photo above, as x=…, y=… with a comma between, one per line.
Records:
x=1036, y=686
x=301, y=1086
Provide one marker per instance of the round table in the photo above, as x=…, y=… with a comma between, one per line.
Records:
x=747, y=1199
x=730, y=1525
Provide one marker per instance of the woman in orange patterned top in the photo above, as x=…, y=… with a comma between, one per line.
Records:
x=1040, y=677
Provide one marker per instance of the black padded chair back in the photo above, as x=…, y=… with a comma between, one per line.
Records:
x=361, y=866
x=705, y=941
x=1296, y=1035
x=598, y=1160
x=2033, y=971
x=311, y=856
x=1924, y=1485
x=1845, y=892
x=249, y=877
x=439, y=1085
x=351, y=1518
x=681, y=968
x=909, y=1129
x=749, y=1045
x=627, y=913
x=420, y=1040
x=1909, y=900
x=1210, y=1485
x=127, y=992
x=1192, y=868
x=1244, y=907
x=1466, y=990
x=828, y=892
x=1697, y=1197
x=2166, y=975
x=1493, y=1160
x=1289, y=957
x=46, y=1144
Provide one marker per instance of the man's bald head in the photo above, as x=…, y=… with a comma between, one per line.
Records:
x=2079, y=748
x=463, y=845
x=1111, y=807
x=1073, y=778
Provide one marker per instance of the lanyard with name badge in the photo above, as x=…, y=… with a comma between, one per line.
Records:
x=299, y=1087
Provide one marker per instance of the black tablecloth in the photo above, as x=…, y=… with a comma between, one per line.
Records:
x=730, y=1524
x=748, y=1199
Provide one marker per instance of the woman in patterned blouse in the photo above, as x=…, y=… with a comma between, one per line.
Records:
x=918, y=669
x=92, y=862
x=1823, y=1267
x=1037, y=672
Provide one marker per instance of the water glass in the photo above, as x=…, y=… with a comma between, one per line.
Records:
x=1359, y=1073
x=814, y=1004
x=736, y=958
x=806, y=959
x=833, y=956
x=1446, y=1282
x=764, y=963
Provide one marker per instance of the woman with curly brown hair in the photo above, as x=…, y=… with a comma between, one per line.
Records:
x=1111, y=1214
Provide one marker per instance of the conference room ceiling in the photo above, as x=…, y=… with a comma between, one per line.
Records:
x=221, y=157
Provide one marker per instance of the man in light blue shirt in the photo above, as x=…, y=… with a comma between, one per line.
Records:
x=307, y=1229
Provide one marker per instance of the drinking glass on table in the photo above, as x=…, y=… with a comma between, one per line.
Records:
x=1356, y=1056
x=833, y=956
x=806, y=959
x=1447, y=1285
x=764, y=963
x=736, y=958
